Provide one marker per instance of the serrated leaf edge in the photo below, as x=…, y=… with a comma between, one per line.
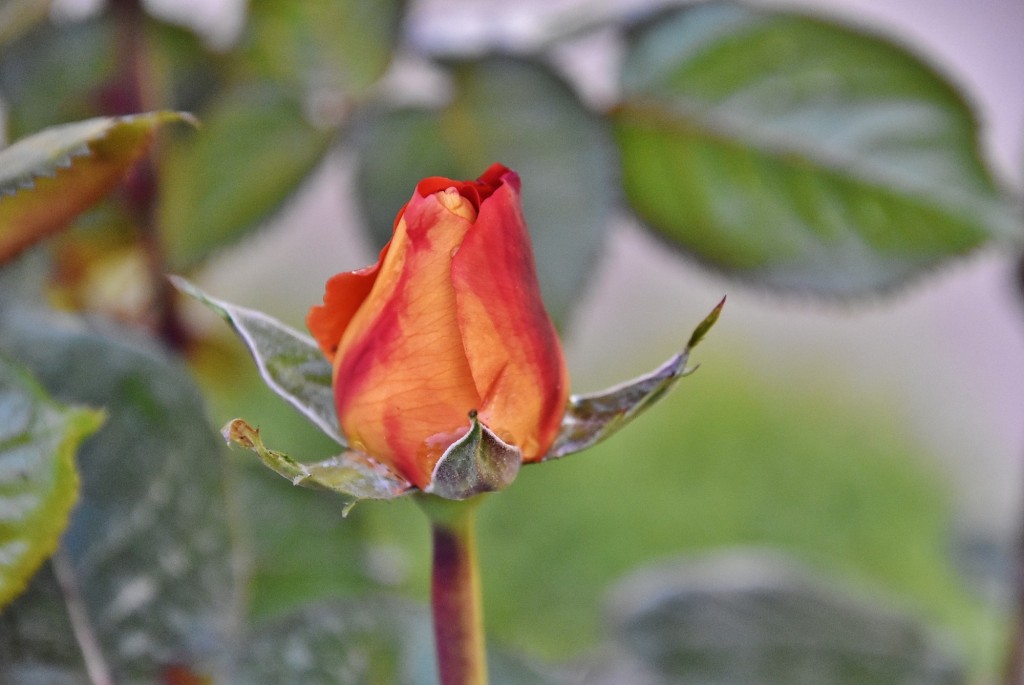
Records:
x=78, y=423
x=85, y=149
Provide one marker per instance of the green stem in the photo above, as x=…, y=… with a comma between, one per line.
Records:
x=455, y=591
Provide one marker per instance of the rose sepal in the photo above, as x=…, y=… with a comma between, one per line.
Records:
x=594, y=417
x=476, y=463
x=289, y=361
x=294, y=367
x=351, y=473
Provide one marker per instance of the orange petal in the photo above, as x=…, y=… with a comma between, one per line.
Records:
x=344, y=294
x=513, y=350
x=402, y=383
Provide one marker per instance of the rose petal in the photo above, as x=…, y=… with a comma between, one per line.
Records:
x=343, y=296
x=402, y=382
x=512, y=347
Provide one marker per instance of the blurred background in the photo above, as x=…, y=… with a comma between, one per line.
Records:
x=872, y=440
x=840, y=431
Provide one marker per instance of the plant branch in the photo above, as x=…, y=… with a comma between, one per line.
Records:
x=455, y=591
x=132, y=91
x=92, y=653
x=1013, y=669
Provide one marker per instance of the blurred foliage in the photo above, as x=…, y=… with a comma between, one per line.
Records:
x=789, y=151
x=38, y=478
x=800, y=154
x=66, y=169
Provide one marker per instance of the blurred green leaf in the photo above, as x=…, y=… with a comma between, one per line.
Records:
x=50, y=177
x=336, y=47
x=38, y=479
x=148, y=553
x=352, y=642
x=255, y=147
x=37, y=643
x=55, y=73
x=797, y=153
x=520, y=114
x=332, y=558
x=185, y=75
x=360, y=642
x=756, y=616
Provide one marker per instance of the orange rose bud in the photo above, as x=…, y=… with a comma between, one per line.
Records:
x=449, y=320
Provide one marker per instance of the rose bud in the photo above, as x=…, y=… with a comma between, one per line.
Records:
x=448, y=321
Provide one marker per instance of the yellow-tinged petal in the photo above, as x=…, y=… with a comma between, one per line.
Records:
x=402, y=383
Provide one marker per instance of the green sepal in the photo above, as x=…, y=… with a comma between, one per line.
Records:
x=350, y=473
x=289, y=361
x=478, y=462
x=591, y=418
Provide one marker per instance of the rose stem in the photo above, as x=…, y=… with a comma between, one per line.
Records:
x=455, y=591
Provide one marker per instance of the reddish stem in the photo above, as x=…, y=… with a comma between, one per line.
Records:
x=132, y=91
x=455, y=592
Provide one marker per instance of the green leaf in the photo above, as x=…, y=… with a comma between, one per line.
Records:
x=289, y=361
x=53, y=73
x=376, y=641
x=339, y=46
x=520, y=114
x=253, y=151
x=50, y=177
x=37, y=643
x=594, y=417
x=479, y=462
x=797, y=153
x=335, y=555
x=757, y=616
x=351, y=473
x=360, y=642
x=38, y=479
x=147, y=569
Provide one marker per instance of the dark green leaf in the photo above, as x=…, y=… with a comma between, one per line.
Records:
x=749, y=616
x=342, y=642
x=289, y=361
x=351, y=473
x=334, y=556
x=798, y=153
x=336, y=47
x=517, y=113
x=591, y=418
x=254, y=149
x=54, y=73
x=147, y=550
x=38, y=479
x=183, y=65
x=479, y=462
x=362, y=642
x=37, y=643
x=50, y=177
